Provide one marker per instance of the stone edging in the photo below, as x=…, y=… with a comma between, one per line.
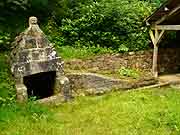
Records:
x=93, y=84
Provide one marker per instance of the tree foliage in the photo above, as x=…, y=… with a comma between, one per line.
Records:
x=117, y=24
x=15, y=12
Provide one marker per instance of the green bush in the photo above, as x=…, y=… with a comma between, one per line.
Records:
x=118, y=24
x=5, y=40
x=7, y=90
x=14, y=13
x=129, y=72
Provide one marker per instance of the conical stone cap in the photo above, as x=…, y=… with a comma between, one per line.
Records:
x=33, y=53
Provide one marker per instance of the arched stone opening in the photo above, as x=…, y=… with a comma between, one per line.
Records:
x=40, y=85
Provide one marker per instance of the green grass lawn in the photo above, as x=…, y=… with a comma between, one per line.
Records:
x=147, y=112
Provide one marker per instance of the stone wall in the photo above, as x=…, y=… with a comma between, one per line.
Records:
x=112, y=62
x=168, y=61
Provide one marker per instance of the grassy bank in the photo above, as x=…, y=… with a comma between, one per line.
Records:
x=147, y=112
x=68, y=52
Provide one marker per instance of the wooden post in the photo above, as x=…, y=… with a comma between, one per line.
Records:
x=155, y=39
x=155, y=59
x=155, y=55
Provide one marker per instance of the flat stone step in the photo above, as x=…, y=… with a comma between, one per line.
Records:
x=93, y=84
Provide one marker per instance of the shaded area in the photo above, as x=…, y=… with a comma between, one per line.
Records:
x=168, y=60
x=40, y=85
x=169, y=53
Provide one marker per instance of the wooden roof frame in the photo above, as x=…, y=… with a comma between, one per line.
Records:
x=157, y=28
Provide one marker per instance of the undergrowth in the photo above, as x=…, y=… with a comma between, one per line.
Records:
x=7, y=90
x=127, y=72
x=68, y=52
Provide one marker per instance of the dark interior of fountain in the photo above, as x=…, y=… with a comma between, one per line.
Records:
x=40, y=85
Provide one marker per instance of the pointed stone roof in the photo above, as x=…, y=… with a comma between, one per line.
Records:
x=33, y=53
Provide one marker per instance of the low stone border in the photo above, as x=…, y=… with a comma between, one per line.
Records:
x=159, y=85
x=54, y=100
x=94, y=84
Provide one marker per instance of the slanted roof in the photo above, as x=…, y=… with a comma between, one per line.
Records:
x=167, y=14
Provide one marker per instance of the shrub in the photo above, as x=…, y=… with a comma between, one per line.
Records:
x=129, y=72
x=118, y=24
x=7, y=90
x=5, y=41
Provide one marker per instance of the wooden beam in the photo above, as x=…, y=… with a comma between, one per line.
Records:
x=155, y=37
x=152, y=36
x=155, y=54
x=160, y=37
x=155, y=58
x=166, y=16
x=166, y=27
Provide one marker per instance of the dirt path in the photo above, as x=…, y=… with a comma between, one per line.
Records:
x=172, y=78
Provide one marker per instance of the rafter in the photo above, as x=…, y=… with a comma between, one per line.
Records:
x=166, y=27
x=166, y=16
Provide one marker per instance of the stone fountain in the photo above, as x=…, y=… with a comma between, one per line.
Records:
x=36, y=67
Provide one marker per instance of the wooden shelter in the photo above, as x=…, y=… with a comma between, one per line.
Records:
x=166, y=18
